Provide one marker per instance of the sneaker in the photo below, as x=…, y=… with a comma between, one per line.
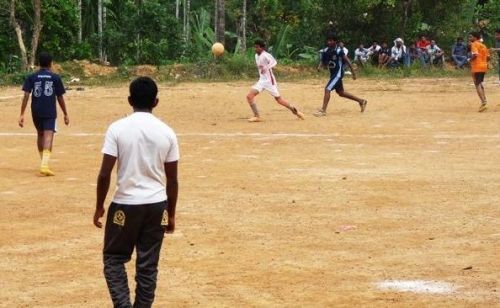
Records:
x=45, y=171
x=254, y=119
x=363, y=104
x=320, y=113
x=483, y=107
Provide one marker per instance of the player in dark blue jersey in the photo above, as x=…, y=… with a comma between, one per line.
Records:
x=45, y=87
x=334, y=58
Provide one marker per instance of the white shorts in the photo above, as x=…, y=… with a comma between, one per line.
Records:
x=268, y=86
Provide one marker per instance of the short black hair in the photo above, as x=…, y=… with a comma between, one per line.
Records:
x=333, y=37
x=476, y=35
x=44, y=59
x=260, y=43
x=143, y=92
x=460, y=38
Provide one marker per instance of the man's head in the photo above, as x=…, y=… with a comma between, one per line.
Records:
x=423, y=38
x=460, y=40
x=331, y=40
x=143, y=92
x=399, y=42
x=44, y=60
x=361, y=46
x=474, y=36
x=433, y=43
x=384, y=44
x=374, y=43
x=497, y=34
x=260, y=46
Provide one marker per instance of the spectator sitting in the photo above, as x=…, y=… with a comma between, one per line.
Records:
x=399, y=54
x=384, y=55
x=361, y=55
x=373, y=52
x=459, y=53
x=414, y=53
x=423, y=43
x=436, y=54
x=346, y=51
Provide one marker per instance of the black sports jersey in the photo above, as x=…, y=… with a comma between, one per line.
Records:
x=333, y=57
x=44, y=86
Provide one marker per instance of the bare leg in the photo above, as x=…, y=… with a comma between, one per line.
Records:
x=285, y=103
x=326, y=100
x=480, y=93
x=350, y=96
x=39, y=142
x=48, y=137
x=251, y=101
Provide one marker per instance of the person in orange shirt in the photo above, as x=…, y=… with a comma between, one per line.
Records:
x=479, y=66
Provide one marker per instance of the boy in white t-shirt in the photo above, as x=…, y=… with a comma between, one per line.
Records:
x=143, y=206
x=265, y=63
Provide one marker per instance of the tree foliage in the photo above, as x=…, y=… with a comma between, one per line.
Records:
x=148, y=31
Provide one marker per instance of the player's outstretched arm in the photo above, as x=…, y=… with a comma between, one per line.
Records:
x=24, y=103
x=172, y=192
x=346, y=60
x=62, y=104
x=103, y=181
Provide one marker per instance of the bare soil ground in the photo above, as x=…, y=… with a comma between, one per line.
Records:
x=280, y=213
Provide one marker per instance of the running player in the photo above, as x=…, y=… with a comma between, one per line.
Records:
x=46, y=87
x=265, y=63
x=334, y=58
x=479, y=66
x=143, y=207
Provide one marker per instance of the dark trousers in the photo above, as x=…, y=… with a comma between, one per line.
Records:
x=128, y=227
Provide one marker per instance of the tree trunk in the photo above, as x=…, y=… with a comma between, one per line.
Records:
x=37, y=28
x=216, y=17
x=177, y=8
x=221, y=24
x=407, y=4
x=187, y=30
x=80, y=23
x=104, y=17
x=19, y=34
x=244, y=27
x=99, y=29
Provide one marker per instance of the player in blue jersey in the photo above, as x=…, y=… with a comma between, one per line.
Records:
x=45, y=87
x=334, y=58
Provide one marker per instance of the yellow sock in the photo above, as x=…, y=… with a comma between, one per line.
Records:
x=45, y=159
x=41, y=154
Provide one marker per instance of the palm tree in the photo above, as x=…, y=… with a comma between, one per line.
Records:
x=220, y=21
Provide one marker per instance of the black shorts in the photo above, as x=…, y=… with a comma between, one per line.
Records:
x=335, y=83
x=43, y=124
x=478, y=78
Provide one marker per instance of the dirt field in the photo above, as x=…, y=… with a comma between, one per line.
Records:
x=320, y=212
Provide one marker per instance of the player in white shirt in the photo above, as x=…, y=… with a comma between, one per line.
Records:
x=144, y=203
x=265, y=63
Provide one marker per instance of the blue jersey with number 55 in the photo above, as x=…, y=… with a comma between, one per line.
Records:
x=44, y=87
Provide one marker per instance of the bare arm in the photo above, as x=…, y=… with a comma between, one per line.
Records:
x=346, y=60
x=24, y=104
x=62, y=104
x=103, y=181
x=172, y=192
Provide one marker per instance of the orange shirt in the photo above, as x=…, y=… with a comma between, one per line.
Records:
x=480, y=63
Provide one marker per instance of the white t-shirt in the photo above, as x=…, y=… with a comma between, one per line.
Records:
x=265, y=63
x=142, y=145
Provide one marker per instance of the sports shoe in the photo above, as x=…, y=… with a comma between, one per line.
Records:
x=254, y=119
x=483, y=107
x=363, y=104
x=320, y=113
x=45, y=171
